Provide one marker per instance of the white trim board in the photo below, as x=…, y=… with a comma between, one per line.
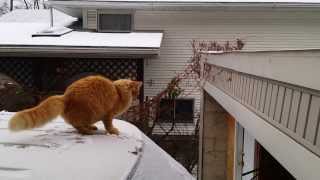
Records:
x=300, y=162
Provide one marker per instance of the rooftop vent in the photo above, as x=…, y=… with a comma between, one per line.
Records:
x=54, y=31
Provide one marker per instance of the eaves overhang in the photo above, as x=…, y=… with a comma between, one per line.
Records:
x=80, y=52
x=184, y=5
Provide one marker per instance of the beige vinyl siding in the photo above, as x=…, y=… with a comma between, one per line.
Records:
x=269, y=30
x=90, y=19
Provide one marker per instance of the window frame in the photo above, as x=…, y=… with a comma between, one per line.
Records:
x=161, y=120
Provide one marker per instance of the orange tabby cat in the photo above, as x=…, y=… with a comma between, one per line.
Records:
x=84, y=102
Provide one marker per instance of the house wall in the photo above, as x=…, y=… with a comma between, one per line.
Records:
x=268, y=30
x=260, y=30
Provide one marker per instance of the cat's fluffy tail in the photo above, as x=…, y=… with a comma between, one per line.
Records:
x=37, y=116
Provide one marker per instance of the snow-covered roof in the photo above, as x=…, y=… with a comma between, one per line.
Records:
x=57, y=151
x=19, y=26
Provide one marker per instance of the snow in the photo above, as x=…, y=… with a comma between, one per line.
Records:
x=21, y=34
x=17, y=28
x=156, y=164
x=56, y=151
x=41, y=16
x=3, y=7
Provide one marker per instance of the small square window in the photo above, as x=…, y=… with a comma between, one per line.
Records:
x=178, y=110
x=184, y=110
x=114, y=22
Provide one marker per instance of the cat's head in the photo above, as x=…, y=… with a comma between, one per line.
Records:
x=135, y=86
x=129, y=85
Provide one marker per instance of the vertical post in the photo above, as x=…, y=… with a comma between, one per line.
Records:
x=238, y=163
x=140, y=77
x=11, y=5
x=51, y=17
x=202, y=110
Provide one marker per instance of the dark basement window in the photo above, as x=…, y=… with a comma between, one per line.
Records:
x=178, y=110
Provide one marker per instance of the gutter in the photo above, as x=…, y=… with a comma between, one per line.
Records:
x=71, y=51
x=145, y=5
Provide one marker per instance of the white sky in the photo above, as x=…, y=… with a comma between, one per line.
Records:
x=273, y=1
x=286, y=1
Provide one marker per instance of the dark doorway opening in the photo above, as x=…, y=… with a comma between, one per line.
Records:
x=268, y=167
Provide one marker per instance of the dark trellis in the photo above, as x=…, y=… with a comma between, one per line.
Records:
x=39, y=77
x=49, y=74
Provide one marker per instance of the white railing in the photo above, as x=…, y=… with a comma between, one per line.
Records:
x=292, y=109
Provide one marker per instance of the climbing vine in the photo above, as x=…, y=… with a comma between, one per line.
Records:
x=145, y=114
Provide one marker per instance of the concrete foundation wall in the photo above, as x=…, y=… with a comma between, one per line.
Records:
x=214, y=142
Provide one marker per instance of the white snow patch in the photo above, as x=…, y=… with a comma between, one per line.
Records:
x=56, y=151
x=17, y=28
x=20, y=34
x=37, y=16
x=156, y=164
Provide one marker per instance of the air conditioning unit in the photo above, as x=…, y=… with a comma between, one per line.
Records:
x=114, y=21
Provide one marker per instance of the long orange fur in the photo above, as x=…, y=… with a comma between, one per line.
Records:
x=84, y=103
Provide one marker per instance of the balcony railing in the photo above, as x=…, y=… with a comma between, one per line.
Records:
x=292, y=109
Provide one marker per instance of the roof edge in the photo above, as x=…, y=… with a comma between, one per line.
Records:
x=156, y=5
x=71, y=51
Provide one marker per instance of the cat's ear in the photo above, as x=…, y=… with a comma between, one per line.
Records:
x=136, y=84
x=139, y=84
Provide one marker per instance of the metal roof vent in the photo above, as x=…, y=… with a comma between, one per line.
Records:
x=54, y=31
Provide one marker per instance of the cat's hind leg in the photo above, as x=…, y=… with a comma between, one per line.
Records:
x=93, y=127
x=82, y=125
x=85, y=130
x=107, y=121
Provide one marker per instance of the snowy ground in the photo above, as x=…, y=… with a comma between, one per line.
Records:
x=3, y=7
x=17, y=4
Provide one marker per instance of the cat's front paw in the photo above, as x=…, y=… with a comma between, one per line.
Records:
x=114, y=131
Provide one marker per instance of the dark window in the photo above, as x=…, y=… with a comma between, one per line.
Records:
x=166, y=110
x=115, y=22
x=178, y=110
x=184, y=110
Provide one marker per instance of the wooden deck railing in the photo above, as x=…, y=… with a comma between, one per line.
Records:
x=292, y=109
